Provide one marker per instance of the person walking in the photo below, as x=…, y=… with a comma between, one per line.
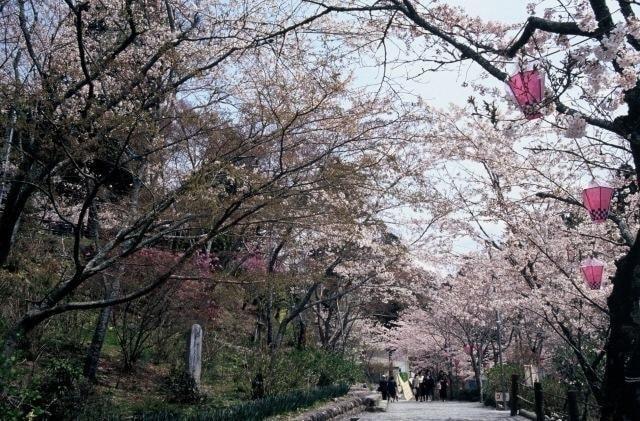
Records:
x=382, y=387
x=430, y=386
x=392, y=390
x=415, y=386
x=443, y=389
x=424, y=389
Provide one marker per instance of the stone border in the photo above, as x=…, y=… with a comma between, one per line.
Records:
x=354, y=402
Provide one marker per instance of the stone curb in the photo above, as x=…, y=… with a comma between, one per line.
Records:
x=355, y=401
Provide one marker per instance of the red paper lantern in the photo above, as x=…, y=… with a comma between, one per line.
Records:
x=596, y=197
x=592, y=270
x=527, y=87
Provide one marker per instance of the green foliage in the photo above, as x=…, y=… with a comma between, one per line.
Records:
x=554, y=391
x=284, y=370
x=56, y=394
x=495, y=377
x=14, y=400
x=300, y=369
x=62, y=388
x=253, y=410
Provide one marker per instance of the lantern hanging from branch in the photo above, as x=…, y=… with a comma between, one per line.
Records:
x=468, y=349
x=527, y=86
x=596, y=197
x=592, y=270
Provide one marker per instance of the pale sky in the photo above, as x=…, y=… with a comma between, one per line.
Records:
x=444, y=87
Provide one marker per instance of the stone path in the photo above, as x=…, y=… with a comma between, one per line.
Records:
x=435, y=411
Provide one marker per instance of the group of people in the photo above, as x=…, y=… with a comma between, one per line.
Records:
x=388, y=388
x=426, y=388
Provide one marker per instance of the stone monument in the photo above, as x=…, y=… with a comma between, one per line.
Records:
x=194, y=353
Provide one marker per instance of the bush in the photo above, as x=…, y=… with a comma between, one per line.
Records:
x=61, y=390
x=231, y=373
x=14, y=401
x=180, y=387
x=253, y=410
x=467, y=395
x=494, y=380
x=303, y=369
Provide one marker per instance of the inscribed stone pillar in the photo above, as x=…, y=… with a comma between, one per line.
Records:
x=194, y=353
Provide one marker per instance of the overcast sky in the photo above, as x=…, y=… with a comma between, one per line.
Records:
x=442, y=88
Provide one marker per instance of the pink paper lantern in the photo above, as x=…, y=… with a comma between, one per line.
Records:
x=468, y=349
x=592, y=270
x=596, y=197
x=527, y=87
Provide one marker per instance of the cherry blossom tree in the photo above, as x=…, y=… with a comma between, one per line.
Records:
x=589, y=53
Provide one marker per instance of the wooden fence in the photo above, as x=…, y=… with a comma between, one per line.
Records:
x=571, y=407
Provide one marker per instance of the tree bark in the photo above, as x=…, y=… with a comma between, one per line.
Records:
x=622, y=370
x=100, y=332
x=16, y=200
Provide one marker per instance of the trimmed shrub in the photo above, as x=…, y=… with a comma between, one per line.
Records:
x=256, y=410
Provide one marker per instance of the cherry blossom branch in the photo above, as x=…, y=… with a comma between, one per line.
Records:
x=598, y=122
x=535, y=23
x=625, y=232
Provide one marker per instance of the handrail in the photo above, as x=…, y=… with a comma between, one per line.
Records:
x=547, y=402
x=520, y=397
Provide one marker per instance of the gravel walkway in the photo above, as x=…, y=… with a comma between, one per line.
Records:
x=435, y=411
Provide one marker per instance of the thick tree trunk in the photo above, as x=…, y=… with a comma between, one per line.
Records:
x=100, y=332
x=622, y=370
x=16, y=200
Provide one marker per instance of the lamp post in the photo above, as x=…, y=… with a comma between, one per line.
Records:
x=502, y=379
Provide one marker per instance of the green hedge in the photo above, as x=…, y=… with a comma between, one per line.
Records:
x=253, y=410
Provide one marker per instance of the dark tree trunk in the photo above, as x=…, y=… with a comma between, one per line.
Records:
x=622, y=370
x=100, y=332
x=302, y=337
x=268, y=320
x=16, y=200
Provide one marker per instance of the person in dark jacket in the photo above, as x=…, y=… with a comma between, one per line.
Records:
x=382, y=387
x=431, y=384
x=392, y=389
x=443, y=389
